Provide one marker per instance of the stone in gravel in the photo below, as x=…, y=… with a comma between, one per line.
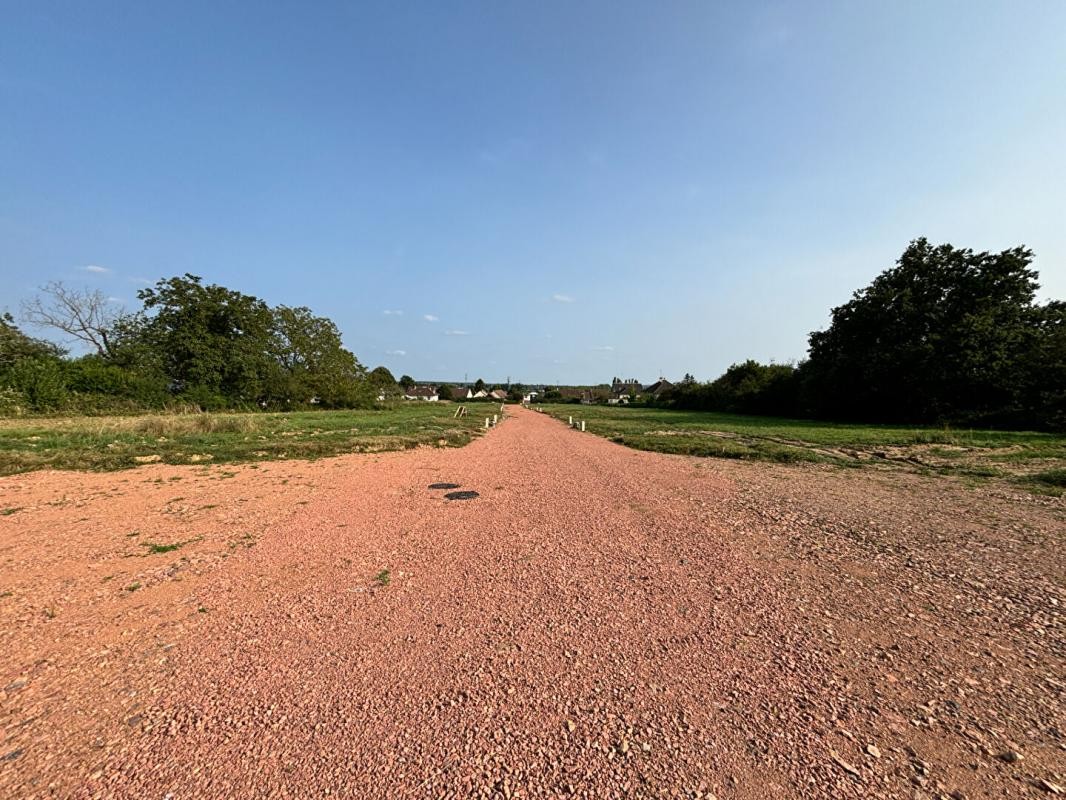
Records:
x=872, y=750
x=1011, y=756
x=1048, y=786
x=844, y=765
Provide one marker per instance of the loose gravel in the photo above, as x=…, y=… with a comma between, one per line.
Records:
x=599, y=622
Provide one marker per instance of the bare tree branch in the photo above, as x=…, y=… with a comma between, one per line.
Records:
x=83, y=314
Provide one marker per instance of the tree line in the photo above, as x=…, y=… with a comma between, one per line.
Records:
x=946, y=335
x=194, y=344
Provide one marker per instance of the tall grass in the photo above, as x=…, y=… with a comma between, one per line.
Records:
x=188, y=423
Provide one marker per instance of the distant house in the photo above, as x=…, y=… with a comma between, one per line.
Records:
x=498, y=394
x=624, y=390
x=427, y=393
x=461, y=393
x=659, y=387
x=530, y=397
x=481, y=394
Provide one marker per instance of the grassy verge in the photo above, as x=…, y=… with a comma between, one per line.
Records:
x=110, y=443
x=975, y=453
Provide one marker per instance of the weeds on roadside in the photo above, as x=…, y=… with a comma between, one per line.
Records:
x=383, y=578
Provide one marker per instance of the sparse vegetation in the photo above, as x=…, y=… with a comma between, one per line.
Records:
x=133, y=586
x=7, y=512
x=154, y=548
x=383, y=578
x=1051, y=482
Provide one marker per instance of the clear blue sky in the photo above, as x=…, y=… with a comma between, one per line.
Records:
x=570, y=190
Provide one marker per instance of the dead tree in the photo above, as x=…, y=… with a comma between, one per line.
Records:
x=83, y=314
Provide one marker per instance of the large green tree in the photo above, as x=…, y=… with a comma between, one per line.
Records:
x=210, y=340
x=311, y=362
x=944, y=334
x=383, y=383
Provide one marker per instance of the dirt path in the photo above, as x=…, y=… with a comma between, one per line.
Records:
x=599, y=622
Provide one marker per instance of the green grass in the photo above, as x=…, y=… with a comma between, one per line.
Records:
x=383, y=578
x=1050, y=482
x=975, y=453
x=163, y=548
x=112, y=443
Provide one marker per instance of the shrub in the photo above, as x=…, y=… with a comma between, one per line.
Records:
x=40, y=381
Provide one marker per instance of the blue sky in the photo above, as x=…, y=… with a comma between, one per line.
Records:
x=551, y=191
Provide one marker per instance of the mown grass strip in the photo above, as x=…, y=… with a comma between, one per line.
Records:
x=967, y=453
x=113, y=443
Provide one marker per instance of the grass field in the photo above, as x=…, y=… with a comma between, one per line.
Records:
x=110, y=443
x=1039, y=459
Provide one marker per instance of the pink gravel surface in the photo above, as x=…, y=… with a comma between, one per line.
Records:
x=599, y=622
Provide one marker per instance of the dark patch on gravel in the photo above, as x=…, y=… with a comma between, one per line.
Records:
x=444, y=486
x=461, y=495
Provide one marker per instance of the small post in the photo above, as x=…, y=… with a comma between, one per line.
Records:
x=571, y=422
x=494, y=420
x=486, y=423
x=582, y=426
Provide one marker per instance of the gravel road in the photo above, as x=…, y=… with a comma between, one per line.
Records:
x=598, y=622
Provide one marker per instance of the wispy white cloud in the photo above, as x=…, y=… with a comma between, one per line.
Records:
x=604, y=348
x=430, y=318
x=562, y=298
x=113, y=299
x=395, y=352
x=96, y=269
x=457, y=333
x=145, y=281
x=392, y=312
